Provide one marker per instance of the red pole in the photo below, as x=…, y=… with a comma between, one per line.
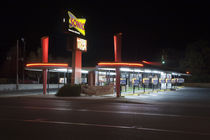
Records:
x=76, y=65
x=45, y=44
x=117, y=47
x=117, y=53
x=118, y=82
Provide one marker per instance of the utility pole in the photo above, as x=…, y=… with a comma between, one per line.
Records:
x=23, y=59
x=17, y=60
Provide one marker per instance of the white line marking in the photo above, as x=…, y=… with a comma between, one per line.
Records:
x=118, y=126
x=117, y=112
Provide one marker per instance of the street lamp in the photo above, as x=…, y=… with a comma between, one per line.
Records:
x=17, y=57
x=17, y=62
x=23, y=58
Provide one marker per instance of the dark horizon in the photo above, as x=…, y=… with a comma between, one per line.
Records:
x=147, y=28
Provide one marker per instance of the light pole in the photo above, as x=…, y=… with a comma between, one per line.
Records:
x=17, y=60
x=23, y=59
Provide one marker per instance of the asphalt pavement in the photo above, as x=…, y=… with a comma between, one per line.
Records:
x=183, y=114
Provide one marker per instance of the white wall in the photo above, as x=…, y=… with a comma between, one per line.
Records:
x=4, y=87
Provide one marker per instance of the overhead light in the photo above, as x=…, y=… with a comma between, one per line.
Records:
x=120, y=64
x=107, y=69
x=126, y=69
x=147, y=71
x=162, y=73
x=155, y=71
x=62, y=70
x=138, y=70
x=84, y=71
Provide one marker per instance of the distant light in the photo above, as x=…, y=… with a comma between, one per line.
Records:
x=187, y=72
x=163, y=62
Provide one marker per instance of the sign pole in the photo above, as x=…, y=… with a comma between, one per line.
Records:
x=17, y=61
x=76, y=66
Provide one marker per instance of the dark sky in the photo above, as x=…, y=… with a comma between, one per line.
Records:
x=147, y=26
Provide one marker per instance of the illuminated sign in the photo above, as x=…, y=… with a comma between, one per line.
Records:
x=122, y=81
x=168, y=80
x=136, y=82
x=180, y=80
x=161, y=80
x=81, y=44
x=154, y=81
x=173, y=81
x=77, y=23
x=62, y=80
x=146, y=81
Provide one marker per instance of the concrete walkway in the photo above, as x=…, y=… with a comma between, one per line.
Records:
x=25, y=92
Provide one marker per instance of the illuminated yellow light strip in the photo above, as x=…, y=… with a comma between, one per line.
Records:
x=120, y=64
x=46, y=64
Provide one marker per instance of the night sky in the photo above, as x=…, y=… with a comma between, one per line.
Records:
x=148, y=27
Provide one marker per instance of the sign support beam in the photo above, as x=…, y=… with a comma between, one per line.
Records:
x=76, y=66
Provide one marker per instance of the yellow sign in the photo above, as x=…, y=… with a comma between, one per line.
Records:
x=146, y=80
x=77, y=23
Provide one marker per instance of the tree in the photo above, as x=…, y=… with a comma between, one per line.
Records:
x=36, y=56
x=197, y=61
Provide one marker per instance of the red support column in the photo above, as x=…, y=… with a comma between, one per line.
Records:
x=117, y=53
x=76, y=66
x=45, y=45
x=118, y=82
x=117, y=47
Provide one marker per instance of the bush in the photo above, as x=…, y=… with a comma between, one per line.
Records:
x=69, y=90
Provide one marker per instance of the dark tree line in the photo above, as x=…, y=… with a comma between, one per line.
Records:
x=197, y=61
